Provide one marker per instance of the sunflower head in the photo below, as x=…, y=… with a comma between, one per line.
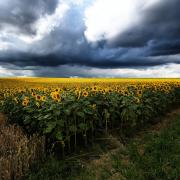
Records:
x=43, y=98
x=38, y=97
x=25, y=103
x=93, y=106
x=85, y=93
x=126, y=92
x=55, y=96
x=33, y=94
x=139, y=92
x=94, y=88
x=16, y=99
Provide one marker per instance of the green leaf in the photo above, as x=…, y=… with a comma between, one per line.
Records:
x=53, y=106
x=27, y=120
x=56, y=112
x=73, y=128
x=86, y=103
x=59, y=136
x=82, y=126
x=88, y=111
x=80, y=114
x=67, y=112
x=60, y=122
x=50, y=127
x=48, y=116
x=106, y=114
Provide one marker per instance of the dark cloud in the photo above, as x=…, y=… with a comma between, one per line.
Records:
x=54, y=60
x=148, y=43
x=21, y=14
x=165, y=47
x=159, y=30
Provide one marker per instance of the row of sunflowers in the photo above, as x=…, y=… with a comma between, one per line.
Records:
x=70, y=112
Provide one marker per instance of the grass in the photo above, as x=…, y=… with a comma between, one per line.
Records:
x=154, y=155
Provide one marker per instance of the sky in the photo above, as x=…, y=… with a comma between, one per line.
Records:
x=90, y=38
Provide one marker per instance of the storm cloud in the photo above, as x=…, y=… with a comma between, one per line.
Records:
x=104, y=35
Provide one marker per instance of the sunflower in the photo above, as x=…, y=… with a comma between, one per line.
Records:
x=16, y=99
x=57, y=90
x=38, y=97
x=85, y=93
x=93, y=106
x=43, y=98
x=94, y=88
x=139, y=93
x=137, y=100
x=55, y=96
x=33, y=94
x=25, y=102
x=106, y=90
x=126, y=92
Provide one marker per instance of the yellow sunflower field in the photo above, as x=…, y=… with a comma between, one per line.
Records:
x=70, y=111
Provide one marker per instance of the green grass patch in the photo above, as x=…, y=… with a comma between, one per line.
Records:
x=155, y=156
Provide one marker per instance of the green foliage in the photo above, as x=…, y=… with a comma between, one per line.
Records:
x=65, y=120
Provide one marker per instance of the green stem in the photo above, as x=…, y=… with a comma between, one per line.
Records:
x=106, y=126
x=92, y=132
x=85, y=134
x=75, y=135
x=68, y=136
x=63, y=145
x=69, y=144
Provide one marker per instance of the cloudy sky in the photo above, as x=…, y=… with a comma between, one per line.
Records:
x=90, y=38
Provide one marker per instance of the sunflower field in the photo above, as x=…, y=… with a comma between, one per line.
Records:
x=69, y=112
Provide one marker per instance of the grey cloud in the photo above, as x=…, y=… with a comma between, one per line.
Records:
x=159, y=22
x=21, y=14
x=155, y=41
